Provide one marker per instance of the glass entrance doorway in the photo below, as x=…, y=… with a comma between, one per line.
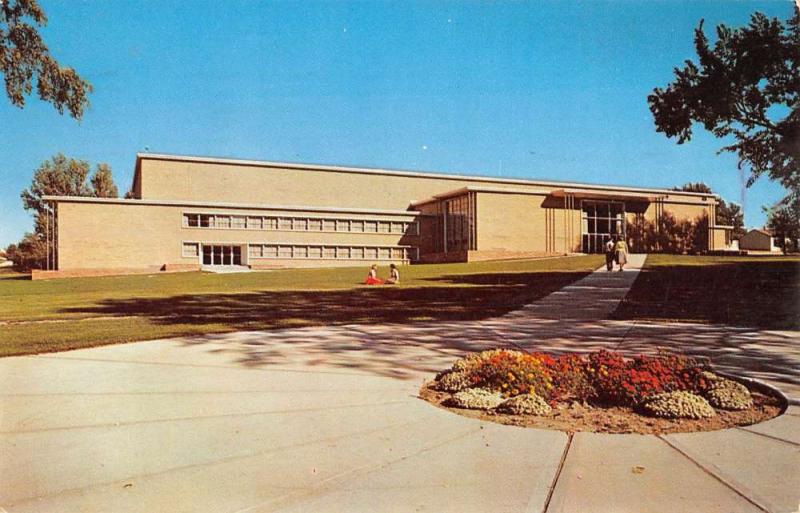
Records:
x=222, y=255
x=600, y=220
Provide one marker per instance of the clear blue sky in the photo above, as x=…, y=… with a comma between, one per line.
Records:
x=553, y=90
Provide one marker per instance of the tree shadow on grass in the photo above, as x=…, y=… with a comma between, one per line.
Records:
x=468, y=297
x=389, y=331
x=763, y=294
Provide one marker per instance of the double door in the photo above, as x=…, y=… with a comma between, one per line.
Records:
x=221, y=254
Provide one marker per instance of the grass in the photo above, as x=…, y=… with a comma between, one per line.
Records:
x=43, y=316
x=762, y=292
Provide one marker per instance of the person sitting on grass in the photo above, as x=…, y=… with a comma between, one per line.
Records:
x=394, y=275
x=372, y=277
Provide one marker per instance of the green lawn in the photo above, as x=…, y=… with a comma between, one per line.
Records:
x=752, y=291
x=41, y=316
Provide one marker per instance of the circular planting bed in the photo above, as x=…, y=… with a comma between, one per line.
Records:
x=601, y=392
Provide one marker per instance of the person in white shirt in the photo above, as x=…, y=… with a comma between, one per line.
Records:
x=611, y=248
x=394, y=275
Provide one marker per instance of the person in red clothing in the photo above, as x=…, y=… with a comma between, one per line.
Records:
x=372, y=277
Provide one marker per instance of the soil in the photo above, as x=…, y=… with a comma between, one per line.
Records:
x=574, y=417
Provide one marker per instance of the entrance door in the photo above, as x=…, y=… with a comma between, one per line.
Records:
x=600, y=221
x=219, y=254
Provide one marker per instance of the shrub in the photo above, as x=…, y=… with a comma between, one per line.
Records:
x=678, y=405
x=619, y=381
x=476, y=399
x=453, y=381
x=570, y=379
x=528, y=404
x=513, y=373
x=473, y=360
x=729, y=395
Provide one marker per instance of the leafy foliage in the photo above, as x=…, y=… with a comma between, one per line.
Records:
x=103, y=185
x=25, y=59
x=746, y=87
x=680, y=404
x=729, y=214
x=29, y=253
x=604, y=375
x=667, y=234
x=784, y=221
x=59, y=176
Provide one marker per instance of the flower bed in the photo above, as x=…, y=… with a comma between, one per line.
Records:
x=602, y=391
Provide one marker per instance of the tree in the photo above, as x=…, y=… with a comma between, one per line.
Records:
x=59, y=176
x=30, y=253
x=729, y=214
x=746, y=89
x=103, y=183
x=25, y=59
x=784, y=221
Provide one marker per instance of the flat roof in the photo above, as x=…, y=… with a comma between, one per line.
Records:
x=398, y=172
x=217, y=204
x=578, y=193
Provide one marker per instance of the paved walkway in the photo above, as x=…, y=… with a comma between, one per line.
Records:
x=327, y=419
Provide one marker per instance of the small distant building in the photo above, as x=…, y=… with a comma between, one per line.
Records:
x=758, y=240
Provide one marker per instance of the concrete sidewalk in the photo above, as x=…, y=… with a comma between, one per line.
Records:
x=327, y=419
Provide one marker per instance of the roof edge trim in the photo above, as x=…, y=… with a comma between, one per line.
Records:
x=217, y=204
x=398, y=172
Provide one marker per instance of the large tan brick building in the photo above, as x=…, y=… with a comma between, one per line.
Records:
x=189, y=212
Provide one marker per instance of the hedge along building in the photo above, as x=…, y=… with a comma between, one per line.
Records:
x=188, y=212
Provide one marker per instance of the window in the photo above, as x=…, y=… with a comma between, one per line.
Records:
x=254, y=223
x=191, y=220
x=302, y=251
x=302, y=224
x=222, y=221
x=256, y=251
x=457, y=218
x=191, y=249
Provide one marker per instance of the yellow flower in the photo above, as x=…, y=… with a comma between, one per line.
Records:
x=530, y=375
x=511, y=376
x=505, y=385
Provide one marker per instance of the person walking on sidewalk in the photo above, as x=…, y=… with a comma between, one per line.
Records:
x=622, y=253
x=610, y=250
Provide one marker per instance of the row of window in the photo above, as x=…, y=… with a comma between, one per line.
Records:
x=192, y=250
x=303, y=224
x=331, y=252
